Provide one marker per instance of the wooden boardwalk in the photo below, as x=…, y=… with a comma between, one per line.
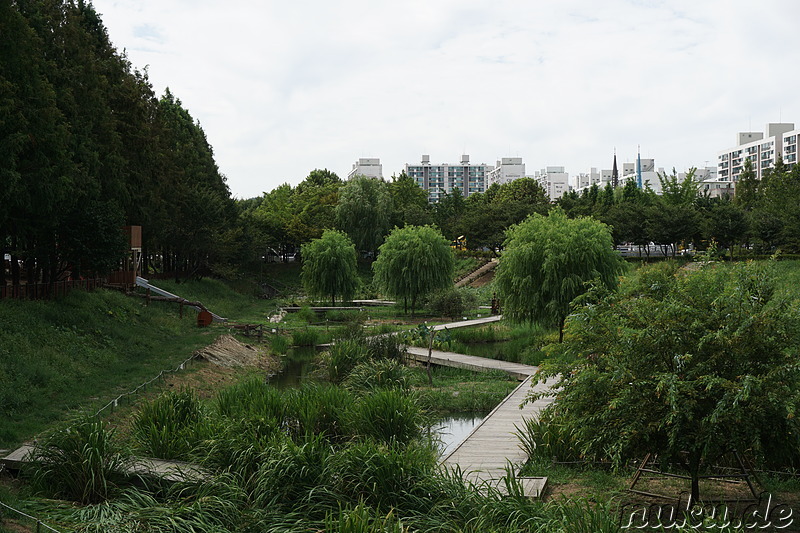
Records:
x=471, y=362
x=172, y=471
x=493, y=445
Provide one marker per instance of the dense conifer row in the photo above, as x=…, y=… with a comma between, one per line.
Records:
x=86, y=147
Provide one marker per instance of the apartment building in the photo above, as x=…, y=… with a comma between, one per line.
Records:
x=507, y=169
x=441, y=178
x=789, y=149
x=554, y=180
x=367, y=166
x=762, y=149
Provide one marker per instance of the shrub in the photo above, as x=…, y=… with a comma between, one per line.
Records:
x=386, y=347
x=305, y=337
x=547, y=441
x=279, y=344
x=252, y=399
x=451, y=302
x=307, y=314
x=316, y=410
x=82, y=462
x=384, y=476
x=362, y=519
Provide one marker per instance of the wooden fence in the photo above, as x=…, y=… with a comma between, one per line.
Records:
x=45, y=291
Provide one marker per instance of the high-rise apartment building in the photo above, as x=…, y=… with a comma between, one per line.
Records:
x=789, y=150
x=554, y=180
x=367, y=166
x=762, y=151
x=507, y=169
x=442, y=178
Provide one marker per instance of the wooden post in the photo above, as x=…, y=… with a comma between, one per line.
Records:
x=430, y=353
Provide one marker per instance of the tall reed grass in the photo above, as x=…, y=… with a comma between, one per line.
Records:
x=170, y=427
x=388, y=416
x=378, y=374
x=83, y=462
x=305, y=337
x=545, y=441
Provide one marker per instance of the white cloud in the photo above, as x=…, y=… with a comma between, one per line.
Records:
x=284, y=87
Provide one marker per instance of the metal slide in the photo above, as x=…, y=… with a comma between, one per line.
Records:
x=141, y=282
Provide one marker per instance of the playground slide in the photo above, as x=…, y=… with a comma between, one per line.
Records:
x=141, y=282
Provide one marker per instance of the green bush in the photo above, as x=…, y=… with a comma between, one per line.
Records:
x=279, y=344
x=305, y=337
x=451, y=302
x=307, y=314
x=362, y=519
x=317, y=410
x=81, y=462
x=385, y=476
x=386, y=347
x=253, y=400
x=546, y=441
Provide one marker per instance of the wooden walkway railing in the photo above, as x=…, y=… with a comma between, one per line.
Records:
x=45, y=291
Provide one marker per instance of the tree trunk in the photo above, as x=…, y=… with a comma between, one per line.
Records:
x=561, y=322
x=694, y=472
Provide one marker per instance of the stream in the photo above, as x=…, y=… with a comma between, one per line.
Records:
x=450, y=430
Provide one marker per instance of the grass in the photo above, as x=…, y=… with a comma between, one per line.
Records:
x=456, y=390
x=75, y=353
x=81, y=462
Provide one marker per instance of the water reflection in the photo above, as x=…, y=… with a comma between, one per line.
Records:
x=454, y=428
x=298, y=364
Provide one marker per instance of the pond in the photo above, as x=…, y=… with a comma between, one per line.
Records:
x=454, y=428
x=298, y=367
x=298, y=364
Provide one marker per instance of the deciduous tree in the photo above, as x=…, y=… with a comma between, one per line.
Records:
x=363, y=211
x=329, y=266
x=413, y=262
x=548, y=262
x=689, y=366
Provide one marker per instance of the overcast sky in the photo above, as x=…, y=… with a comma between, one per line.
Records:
x=281, y=88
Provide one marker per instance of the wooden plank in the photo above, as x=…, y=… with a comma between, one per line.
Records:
x=493, y=445
x=471, y=362
x=173, y=471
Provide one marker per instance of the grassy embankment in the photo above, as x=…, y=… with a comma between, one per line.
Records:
x=77, y=352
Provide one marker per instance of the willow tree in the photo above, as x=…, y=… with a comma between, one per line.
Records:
x=363, y=211
x=413, y=262
x=329, y=266
x=548, y=262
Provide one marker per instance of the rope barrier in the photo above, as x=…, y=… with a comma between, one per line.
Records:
x=39, y=523
x=113, y=403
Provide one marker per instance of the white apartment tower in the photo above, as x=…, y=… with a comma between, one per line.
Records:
x=789, y=151
x=554, y=180
x=507, y=169
x=367, y=166
x=762, y=151
x=443, y=178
